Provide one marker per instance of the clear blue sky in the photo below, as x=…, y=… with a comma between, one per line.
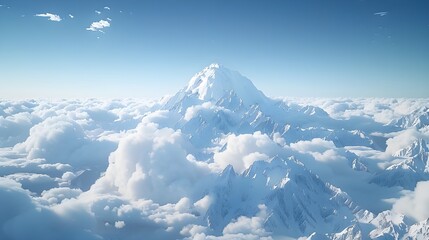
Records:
x=308, y=48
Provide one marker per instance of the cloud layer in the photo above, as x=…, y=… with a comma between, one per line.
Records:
x=94, y=169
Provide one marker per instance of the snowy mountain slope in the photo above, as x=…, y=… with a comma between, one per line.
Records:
x=298, y=201
x=418, y=231
x=216, y=83
x=412, y=169
x=418, y=118
x=221, y=100
x=389, y=225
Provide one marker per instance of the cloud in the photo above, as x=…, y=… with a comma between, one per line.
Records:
x=245, y=228
x=107, y=8
x=34, y=182
x=381, y=14
x=315, y=145
x=119, y=224
x=98, y=12
x=203, y=204
x=205, y=109
x=71, y=132
x=98, y=26
x=71, y=16
x=248, y=225
x=159, y=184
x=57, y=195
x=61, y=140
x=241, y=151
x=151, y=163
x=22, y=218
x=383, y=110
x=52, y=17
x=14, y=128
x=403, y=139
x=415, y=204
x=54, y=139
x=333, y=165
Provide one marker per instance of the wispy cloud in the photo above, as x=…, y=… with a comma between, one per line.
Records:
x=52, y=17
x=98, y=12
x=107, y=8
x=71, y=16
x=381, y=14
x=97, y=26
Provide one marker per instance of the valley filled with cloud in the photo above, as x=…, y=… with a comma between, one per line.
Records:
x=217, y=160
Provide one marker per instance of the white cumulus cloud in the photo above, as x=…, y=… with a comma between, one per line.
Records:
x=119, y=224
x=98, y=26
x=151, y=163
x=51, y=16
x=243, y=150
x=315, y=145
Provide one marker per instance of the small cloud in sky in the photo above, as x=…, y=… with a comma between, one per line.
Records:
x=97, y=26
x=380, y=14
x=109, y=19
x=98, y=12
x=107, y=8
x=52, y=17
x=71, y=16
x=119, y=224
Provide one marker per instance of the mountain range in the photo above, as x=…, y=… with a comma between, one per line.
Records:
x=217, y=160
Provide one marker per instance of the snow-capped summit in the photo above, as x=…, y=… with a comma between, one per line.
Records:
x=416, y=148
x=389, y=225
x=407, y=173
x=216, y=81
x=418, y=118
x=418, y=231
x=217, y=84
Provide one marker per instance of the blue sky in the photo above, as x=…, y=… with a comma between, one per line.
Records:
x=299, y=48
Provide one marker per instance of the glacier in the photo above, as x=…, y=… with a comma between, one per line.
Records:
x=217, y=160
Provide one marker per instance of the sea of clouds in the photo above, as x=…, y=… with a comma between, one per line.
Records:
x=119, y=169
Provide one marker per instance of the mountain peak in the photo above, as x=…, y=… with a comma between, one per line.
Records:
x=417, y=147
x=216, y=81
x=214, y=65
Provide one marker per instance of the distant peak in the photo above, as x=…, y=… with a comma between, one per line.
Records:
x=419, y=146
x=228, y=172
x=216, y=81
x=214, y=65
